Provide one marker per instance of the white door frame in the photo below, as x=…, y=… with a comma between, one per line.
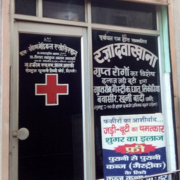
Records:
x=58, y=30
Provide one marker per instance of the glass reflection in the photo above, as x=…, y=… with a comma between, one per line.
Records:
x=68, y=10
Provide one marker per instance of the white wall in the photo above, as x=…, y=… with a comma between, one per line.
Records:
x=176, y=14
x=4, y=90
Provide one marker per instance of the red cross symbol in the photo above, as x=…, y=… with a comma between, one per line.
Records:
x=51, y=89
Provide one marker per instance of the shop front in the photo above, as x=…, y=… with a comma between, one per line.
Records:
x=90, y=91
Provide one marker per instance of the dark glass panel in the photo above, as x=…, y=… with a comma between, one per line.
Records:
x=72, y=10
x=124, y=14
x=25, y=7
x=112, y=51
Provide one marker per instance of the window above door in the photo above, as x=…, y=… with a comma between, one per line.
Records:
x=58, y=9
x=102, y=12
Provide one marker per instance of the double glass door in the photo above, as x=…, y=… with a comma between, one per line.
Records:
x=56, y=130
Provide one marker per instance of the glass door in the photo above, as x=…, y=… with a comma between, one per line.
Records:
x=47, y=88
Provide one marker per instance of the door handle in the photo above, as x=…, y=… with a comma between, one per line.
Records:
x=22, y=133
